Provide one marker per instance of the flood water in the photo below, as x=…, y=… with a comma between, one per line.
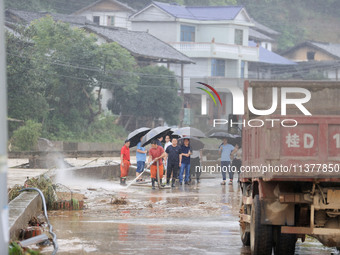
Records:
x=197, y=219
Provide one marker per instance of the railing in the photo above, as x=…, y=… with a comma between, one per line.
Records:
x=217, y=50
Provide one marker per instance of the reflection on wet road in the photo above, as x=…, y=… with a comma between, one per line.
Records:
x=187, y=220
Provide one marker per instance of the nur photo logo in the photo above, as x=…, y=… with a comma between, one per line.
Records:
x=209, y=93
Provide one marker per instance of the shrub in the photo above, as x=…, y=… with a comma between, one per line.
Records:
x=26, y=137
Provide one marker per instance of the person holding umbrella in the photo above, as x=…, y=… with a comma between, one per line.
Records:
x=167, y=143
x=226, y=150
x=141, y=158
x=196, y=147
x=184, y=162
x=159, y=141
x=173, y=152
x=156, y=154
x=124, y=162
x=135, y=138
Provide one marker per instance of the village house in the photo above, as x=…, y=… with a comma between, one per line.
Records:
x=215, y=37
x=316, y=58
x=109, y=13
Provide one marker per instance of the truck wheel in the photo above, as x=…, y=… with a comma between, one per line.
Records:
x=245, y=237
x=261, y=239
x=284, y=243
x=244, y=228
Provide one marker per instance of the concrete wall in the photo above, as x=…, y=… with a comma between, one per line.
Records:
x=21, y=210
x=81, y=146
x=158, y=29
x=202, y=68
x=221, y=33
x=94, y=172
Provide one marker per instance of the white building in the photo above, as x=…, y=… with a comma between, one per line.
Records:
x=107, y=13
x=215, y=37
x=263, y=35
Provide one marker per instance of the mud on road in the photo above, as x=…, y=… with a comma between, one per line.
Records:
x=197, y=219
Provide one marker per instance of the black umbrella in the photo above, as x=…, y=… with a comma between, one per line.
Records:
x=134, y=136
x=195, y=143
x=189, y=131
x=154, y=134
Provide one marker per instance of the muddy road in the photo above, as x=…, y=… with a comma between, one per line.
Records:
x=196, y=219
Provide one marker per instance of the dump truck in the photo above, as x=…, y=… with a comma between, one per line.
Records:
x=290, y=175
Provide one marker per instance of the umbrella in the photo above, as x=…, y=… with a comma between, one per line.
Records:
x=134, y=136
x=195, y=143
x=173, y=135
x=153, y=134
x=221, y=135
x=232, y=139
x=189, y=131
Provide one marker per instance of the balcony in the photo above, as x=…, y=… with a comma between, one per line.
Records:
x=217, y=50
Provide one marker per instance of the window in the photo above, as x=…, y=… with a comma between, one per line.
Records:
x=187, y=33
x=218, y=67
x=310, y=55
x=111, y=21
x=242, y=69
x=96, y=19
x=238, y=36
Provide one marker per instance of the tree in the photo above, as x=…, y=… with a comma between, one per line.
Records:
x=118, y=74
x=67, y=57
x=157, y=96
x=26, y=93
x=53, y=69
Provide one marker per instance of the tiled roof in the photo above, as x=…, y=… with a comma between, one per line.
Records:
x=270, y=57
x=200, y=13
x=329, y=48
x=141, y=44
x=27, y=17
x=253, y=34
x=263, y=28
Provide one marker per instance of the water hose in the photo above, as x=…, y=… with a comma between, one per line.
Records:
x=54, y=237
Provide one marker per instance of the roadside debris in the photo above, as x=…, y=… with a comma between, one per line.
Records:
x=118, y=201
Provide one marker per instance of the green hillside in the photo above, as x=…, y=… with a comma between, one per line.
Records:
x=297, y=21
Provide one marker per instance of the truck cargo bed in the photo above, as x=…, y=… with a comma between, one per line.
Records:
x=309, y=150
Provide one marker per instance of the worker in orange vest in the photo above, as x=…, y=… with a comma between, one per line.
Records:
x=124, y=162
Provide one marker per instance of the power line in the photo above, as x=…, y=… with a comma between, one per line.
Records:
x=98, y=82
x=283, y=70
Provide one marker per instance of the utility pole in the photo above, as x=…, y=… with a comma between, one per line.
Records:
x=4, y=231
x=182, y=96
